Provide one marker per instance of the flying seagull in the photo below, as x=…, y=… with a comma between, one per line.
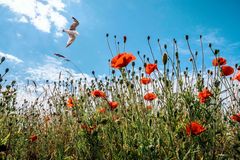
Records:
x=72, y=33
x=59, y=55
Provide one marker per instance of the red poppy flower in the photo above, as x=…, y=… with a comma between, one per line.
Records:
x=150, y=96
x=122, y=60
x=98, y=93
x=70, y=102
x=235, y=117
x=204, y=95
x=149, y=107
x=219, y=61
x=194, y=128
x=102, y=110
x=33, y=138
x=237, y=76
x=226, y=70
x=113, y=105
x=150, y=68
x=145, y=80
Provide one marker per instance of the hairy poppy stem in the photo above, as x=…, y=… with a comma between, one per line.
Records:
x=150, y=48
x=160, y=48
x=109, y=45
x=203, y=65
x=194, y=62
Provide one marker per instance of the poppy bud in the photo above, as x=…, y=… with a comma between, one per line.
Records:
x=186, y=68
x=216, y=83
x=187, y=37
x=133, y=64
x=200, y=36
x=176, y=55
x=113, y=71
x=216, y=51
x=132, y=86
x=147, y=58
x=165, y=58
x=155, y=61
x=174, y=40
x=118, y=43
x=148, y=38
x=107, y=35
x=124, y=39
x=196, y=53
x=138, y=52
x=210, y=45
x=191, y=59
x=145, y=64
x=6, y=70
x=140, y=68
x=165, y=46
x=236, y=66
x=3, y=59
x=115, y=36
x=158, y=40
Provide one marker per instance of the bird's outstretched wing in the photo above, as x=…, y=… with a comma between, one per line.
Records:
x=70, y=40
x=59, y=55
x=74, y=24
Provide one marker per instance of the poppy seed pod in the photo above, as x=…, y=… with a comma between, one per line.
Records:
x=115, y=36
x=148, y=38
x=158, y=40
x=210, y=45
x=187, y=37
x=124, y=39
x=107, y=35
x=165, y=58
x=200, y=36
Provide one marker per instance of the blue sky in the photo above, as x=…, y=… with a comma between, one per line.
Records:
x=31, y=32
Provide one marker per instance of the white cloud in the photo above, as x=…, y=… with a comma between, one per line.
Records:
x=51, y=70
x=42, y=14
x=214, y=38
x=23, y=19
x=19, y=35
x=10, y=57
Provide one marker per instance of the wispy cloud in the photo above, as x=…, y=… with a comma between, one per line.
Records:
x=51, y=69
x=211, y=36
x=42, y=14
x=11, y=57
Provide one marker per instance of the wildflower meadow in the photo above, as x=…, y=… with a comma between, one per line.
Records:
x=158, y=110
